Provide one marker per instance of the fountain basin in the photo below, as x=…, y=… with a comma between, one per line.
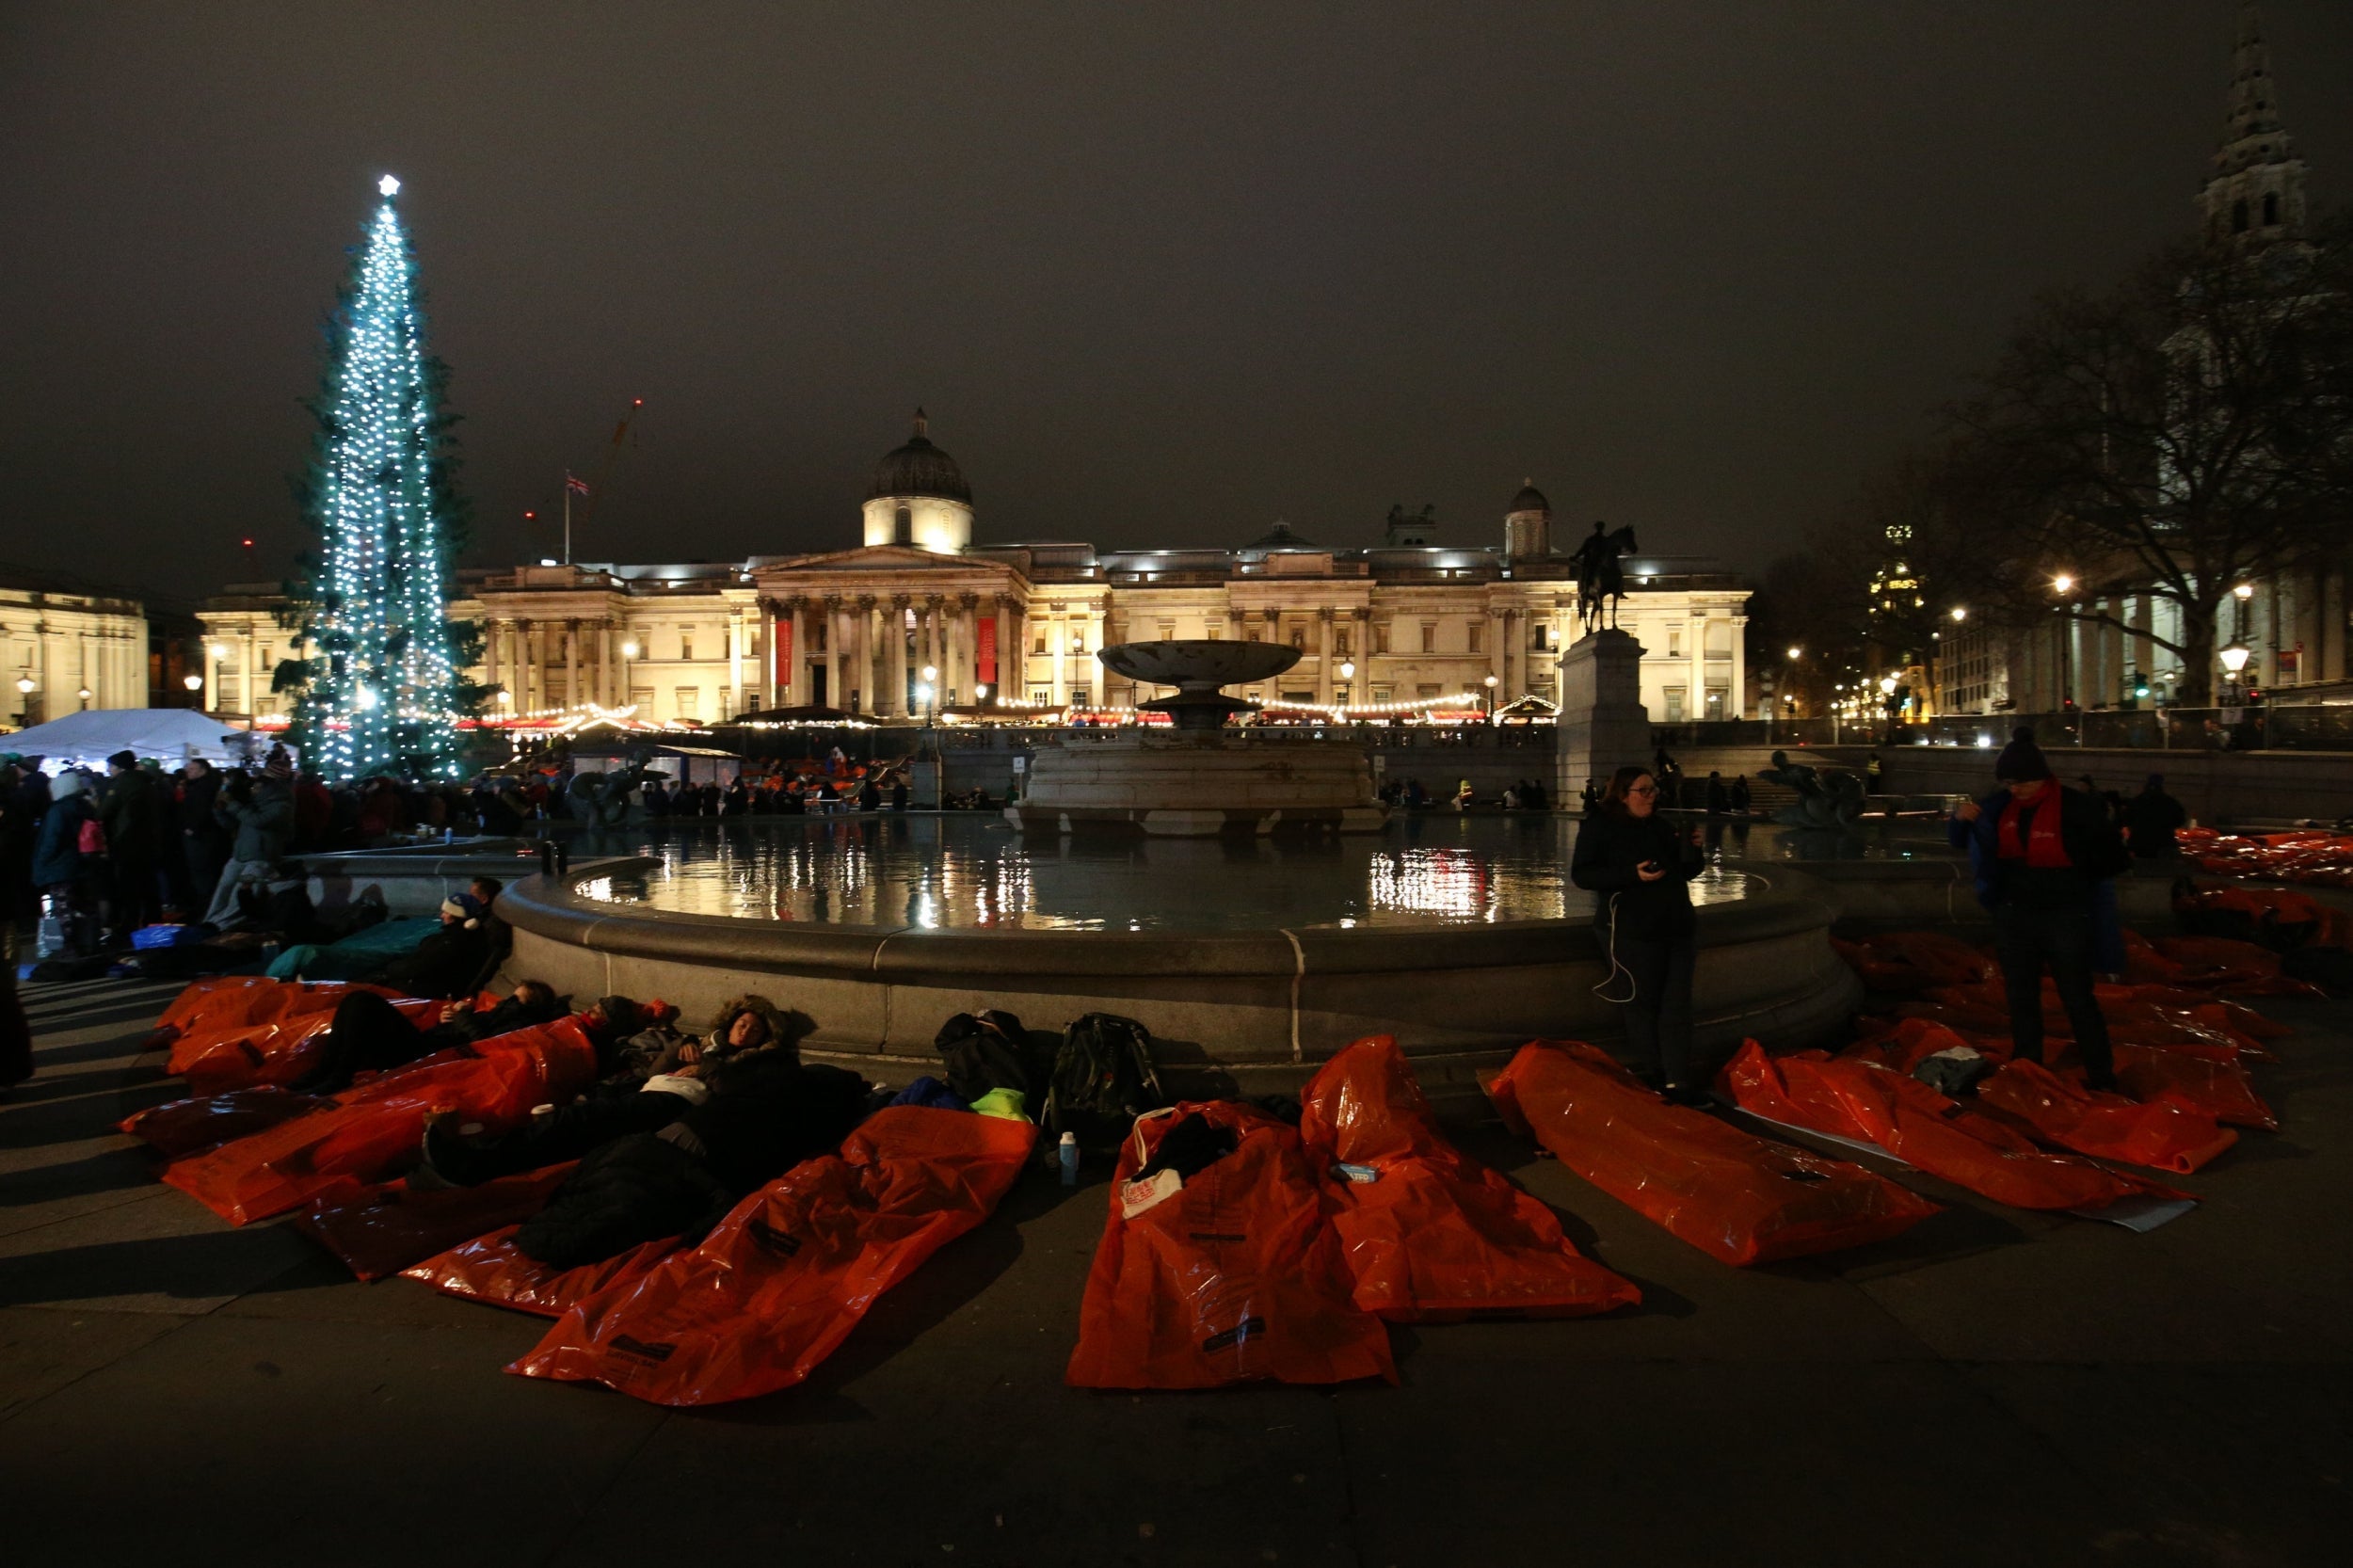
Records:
x=1249, y=1011
x=1198, y=783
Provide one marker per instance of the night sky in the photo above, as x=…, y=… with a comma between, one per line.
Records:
x=1162, y=273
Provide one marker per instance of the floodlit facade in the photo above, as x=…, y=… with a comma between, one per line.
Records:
x=1398, y=628
x=65, y=646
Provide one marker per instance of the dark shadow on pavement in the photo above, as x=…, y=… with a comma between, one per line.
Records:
x=108, y=1171
x=215, y=1264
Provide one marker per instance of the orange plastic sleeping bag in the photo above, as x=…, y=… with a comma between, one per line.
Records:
x=780, y=1282
x=492, y=1269
x=233, y=1031
x=1237, y=1277
x=373, y=1130
x=1739, y=1198
x=1437, y=1236
x=1913, y=960
x=1851, y=1098
x=183, y=1126
x=2061, y=1112
x=2156, y=1075
x=380, y=1229
x=2242, y=969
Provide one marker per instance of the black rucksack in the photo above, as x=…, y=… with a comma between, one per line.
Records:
x=980, y=1051
x=1103, y=1080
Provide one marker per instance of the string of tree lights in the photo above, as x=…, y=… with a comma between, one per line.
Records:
x=380, y=672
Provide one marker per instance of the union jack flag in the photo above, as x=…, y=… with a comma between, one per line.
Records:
x=578, y=486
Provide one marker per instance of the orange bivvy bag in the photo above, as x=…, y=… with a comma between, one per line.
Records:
x=1739, y=1198
x=780, y=1282
x=492, y=1269
x=2158, y=1135
x=380, y=1229
x=1234, y=1277
x=233, y=1031
x=1435, y=1235
x=1850, y=1099
x=181, y=1128
x=373, y=1131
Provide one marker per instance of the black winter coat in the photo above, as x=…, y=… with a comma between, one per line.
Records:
x=1611, y=845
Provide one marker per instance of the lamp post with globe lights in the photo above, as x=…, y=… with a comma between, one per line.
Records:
x=1490, y=683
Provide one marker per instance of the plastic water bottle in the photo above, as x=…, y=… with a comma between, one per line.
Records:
x=1068, y=1154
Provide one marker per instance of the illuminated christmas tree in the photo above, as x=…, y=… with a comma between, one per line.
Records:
x=382, y=672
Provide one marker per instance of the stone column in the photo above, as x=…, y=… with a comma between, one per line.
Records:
x=571, y=663
x=831, y=608
x=1019, y=673
x=491, y=634
x=796, y=670
x=735, y=662
x=1323, y=655
x=896, y=638
x=1059, y=648
x=968, y=644
x=1696, y=704
x=1272, y=623
x=1002, y=608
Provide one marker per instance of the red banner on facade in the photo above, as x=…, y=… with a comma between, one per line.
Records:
x=987, y=659
x=783, y=679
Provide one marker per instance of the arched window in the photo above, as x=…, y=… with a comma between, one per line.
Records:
x=2238, y=217
x=2271, y=209
x=903, y=524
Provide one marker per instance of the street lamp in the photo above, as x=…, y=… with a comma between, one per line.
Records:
x=24, y=684
x=1490, y=685
x=2063, y=583
x=925, y=692
x=1960, y=612
x=193, y=682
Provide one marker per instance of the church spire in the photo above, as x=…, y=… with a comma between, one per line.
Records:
x=2254, y=197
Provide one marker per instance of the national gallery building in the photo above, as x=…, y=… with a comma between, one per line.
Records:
x=1396, y=629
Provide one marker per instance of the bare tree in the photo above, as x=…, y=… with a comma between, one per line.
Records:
x=2173, y=436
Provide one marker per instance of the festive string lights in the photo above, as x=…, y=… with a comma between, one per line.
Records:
x=384, y=685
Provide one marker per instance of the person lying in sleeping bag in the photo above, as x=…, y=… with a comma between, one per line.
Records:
x=370, y=1034
x=652, y=1078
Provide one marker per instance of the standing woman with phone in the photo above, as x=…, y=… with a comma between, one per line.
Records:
x=1640, y=865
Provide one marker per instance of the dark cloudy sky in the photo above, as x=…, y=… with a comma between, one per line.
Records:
x=1162, y=272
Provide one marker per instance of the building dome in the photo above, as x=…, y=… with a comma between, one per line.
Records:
x=1280, y=536
x=1530, y=499
x=920, y=468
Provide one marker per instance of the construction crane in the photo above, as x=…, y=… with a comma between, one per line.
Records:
x=593, y=490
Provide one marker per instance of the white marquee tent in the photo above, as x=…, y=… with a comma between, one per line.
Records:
x=170, y=735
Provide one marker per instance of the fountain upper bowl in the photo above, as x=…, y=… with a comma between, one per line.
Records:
x=1197, y=662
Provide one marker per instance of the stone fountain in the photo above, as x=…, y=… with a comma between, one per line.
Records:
x=1197, y=778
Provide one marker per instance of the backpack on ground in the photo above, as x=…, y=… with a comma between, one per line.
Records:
x=980, y=1051
x=1103, y=1080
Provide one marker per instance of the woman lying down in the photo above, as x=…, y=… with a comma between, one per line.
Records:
x=674, y=1134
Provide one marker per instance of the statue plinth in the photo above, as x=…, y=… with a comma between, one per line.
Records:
x=1603, y=726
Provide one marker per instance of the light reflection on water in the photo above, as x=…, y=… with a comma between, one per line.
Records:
x=957, y=872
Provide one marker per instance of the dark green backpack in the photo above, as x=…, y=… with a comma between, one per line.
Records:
x=1103, y=1080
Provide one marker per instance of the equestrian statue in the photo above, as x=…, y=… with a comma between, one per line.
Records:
x=1601, y=574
